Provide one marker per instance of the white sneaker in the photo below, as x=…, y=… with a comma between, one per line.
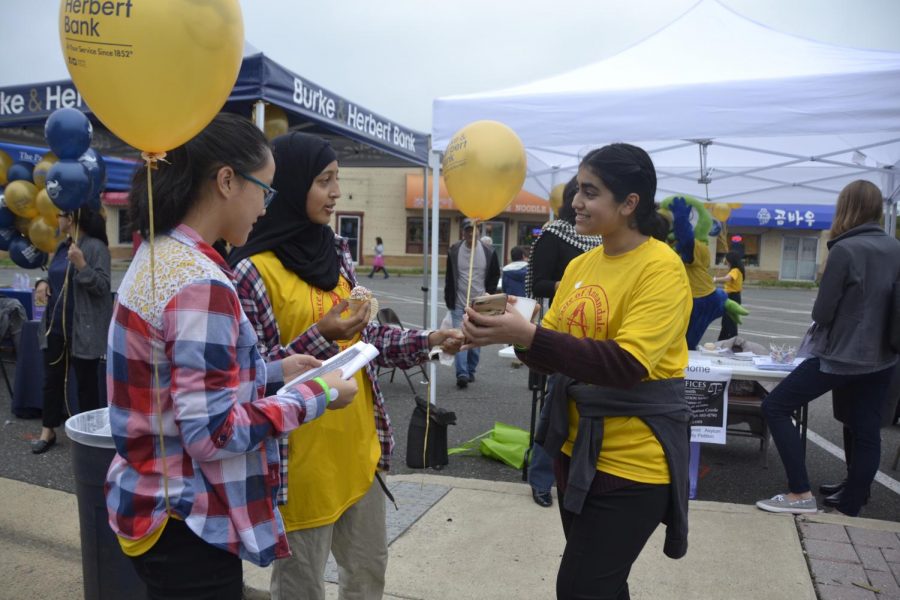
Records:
x=781, y=504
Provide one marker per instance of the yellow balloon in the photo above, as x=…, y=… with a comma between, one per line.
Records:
x=275, y=122
x=556, y=197
x=721, y=211
x=22, y=224
x=6, y=162
x=39, y=176
x=20, y=198
x=484, y=168
x=155, y=72
x=46, y=209
x=42, y=235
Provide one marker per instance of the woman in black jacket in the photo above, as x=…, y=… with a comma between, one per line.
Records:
x=555, y=248
x=851, y=350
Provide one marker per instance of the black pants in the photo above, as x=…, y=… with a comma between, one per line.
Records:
x=606, y=538
x=181, y=566
x=56, y=359
x=729, y=327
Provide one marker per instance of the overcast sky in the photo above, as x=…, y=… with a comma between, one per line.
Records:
x=396, y=56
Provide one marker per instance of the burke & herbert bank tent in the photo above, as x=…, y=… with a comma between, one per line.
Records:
x=360, y=136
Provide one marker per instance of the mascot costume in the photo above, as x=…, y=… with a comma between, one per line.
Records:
x=691, y=242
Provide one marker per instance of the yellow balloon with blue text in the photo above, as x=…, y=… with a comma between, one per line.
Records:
x=484, y=168
x=155, y=72
x=39, y=175
x=6, y=162
x=20, y=198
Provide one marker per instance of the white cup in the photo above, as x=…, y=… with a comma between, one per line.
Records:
x=525, y=307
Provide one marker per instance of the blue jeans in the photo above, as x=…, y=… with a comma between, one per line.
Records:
x=466, y=361
x=540, y=465
x=803, y=385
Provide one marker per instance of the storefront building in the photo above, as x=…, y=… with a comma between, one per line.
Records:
x=779, y=242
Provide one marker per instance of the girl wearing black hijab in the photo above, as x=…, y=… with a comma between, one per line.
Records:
x=294, y=276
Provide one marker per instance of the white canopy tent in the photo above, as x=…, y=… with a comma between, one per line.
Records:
x=780, y=117
x=729, y=109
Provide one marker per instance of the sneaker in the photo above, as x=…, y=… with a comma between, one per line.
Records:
x=472, y=378
x=462, y=381
x=781, y=504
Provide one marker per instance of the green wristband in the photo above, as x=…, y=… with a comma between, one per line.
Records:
x=325, y=388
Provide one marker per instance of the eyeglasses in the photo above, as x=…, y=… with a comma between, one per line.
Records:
x=270, y=191
x=63, y=215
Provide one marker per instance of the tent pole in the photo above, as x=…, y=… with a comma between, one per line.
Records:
x=553, y=185
x=890, y=201
x=259, y=114
x=425, y=273
x=435, y=160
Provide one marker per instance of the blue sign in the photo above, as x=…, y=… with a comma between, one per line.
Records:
x=783, y=216
x=260, y=78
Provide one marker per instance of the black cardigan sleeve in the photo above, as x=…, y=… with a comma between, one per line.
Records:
x=544, y=266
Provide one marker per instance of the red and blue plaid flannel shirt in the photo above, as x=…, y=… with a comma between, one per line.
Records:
x=221, y=458
x=397, y=347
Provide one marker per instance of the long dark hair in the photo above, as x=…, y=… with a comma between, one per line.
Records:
x=566, y=212
x=228, y=140
x=736, y=261
x=625, y=169
x=92, y=223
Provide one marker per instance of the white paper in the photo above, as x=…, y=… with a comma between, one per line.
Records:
x=525, y=307
x=349, y=361
x=706, y=391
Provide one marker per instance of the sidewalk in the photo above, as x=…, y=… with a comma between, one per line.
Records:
x=470, y=539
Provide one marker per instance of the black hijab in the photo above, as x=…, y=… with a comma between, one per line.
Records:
x=304, y=247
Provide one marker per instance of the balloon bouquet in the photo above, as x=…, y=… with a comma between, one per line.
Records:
x=66, y=178
x=484, y=168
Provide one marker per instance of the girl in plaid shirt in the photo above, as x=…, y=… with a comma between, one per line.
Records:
x=192, y=488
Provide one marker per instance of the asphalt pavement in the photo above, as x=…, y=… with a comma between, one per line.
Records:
x=733, y=473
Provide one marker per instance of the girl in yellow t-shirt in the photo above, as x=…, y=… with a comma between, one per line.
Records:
x=734, y=283
x=616, y=330
x=294, y=277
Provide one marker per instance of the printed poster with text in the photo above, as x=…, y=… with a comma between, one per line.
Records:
x=706, y=390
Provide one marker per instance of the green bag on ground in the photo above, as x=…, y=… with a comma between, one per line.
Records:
x=506, y=443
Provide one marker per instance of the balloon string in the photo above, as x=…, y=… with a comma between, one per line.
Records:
x=151, y=159
x=64, y=293
x=471, y=264
x=427, y=423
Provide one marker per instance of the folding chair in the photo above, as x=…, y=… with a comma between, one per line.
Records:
x=387, y=316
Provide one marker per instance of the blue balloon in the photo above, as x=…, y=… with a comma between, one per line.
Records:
x=96, y=168
x=20, y=171
x=7, y=235
x=69, y=132
x=716, y=228
x=25, y=255
x=68, y=185
x=7, y=217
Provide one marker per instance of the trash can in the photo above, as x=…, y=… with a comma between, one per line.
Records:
x=436, y=449
x=108, y=573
